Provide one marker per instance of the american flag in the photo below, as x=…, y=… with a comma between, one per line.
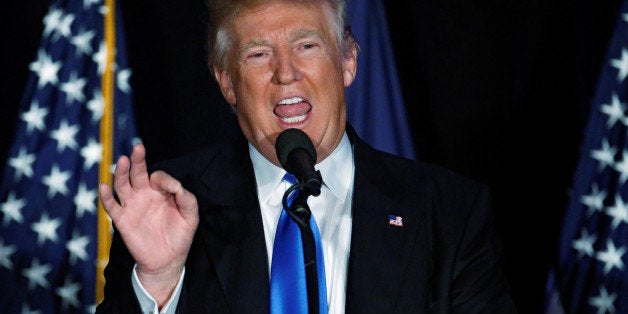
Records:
x=48, y=195
x=591, y=274
x=396, y=221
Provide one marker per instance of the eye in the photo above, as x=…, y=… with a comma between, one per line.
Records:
x=256, y=55
x=308, y=49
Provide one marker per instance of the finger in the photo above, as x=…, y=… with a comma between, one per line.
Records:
x=111, y=206
x=187, y=204
x=185, y=200
x=121, y=178
x=139, y=172
x=163, y=182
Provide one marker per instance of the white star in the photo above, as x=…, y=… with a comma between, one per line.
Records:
x=63, y=27
x=65, y=136
x=622, y=167
x=36, y=274
x=96, y=105
x=46, y=229
x=51, y=20
x=74, y=88
x=82, y=41
x=56, y=181
x=87, y=4
x=36, y=65
x=605, y=155
x=5, y=255
x=76, y=246
x=100, y=57
x=614, y=110
x=92, y=153
x=85, y=200
x=45, y=69
x=26, y=309
x=68, y=294
x=619, y=212
x=595, y=200
x=603, y=302
x=11, y=209
x=23, y=164
x=621, y=65
x=103, y=9
x=611, y=257
x=624, y=17
x=584, y=245
x=123, y=80
x=34, y=117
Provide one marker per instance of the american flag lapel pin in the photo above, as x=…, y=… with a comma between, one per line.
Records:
x=395, y=220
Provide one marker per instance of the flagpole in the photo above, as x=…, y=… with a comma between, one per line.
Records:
x=106, y=140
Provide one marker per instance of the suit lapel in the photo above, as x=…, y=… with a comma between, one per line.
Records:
x=232, y=231
x=233, y=236
x=380, y=251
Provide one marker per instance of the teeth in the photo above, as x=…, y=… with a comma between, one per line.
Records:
x=294, y=119
x=290, y=101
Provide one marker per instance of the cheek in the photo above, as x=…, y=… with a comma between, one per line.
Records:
x=257, y=121
x=252, y=92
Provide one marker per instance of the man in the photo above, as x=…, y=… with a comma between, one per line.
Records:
x=197, y=236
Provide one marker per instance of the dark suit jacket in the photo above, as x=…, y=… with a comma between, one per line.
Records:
x=445, y=259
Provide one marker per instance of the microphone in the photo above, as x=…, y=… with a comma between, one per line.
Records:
x=297, y=155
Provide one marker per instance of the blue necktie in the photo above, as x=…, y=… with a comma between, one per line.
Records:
x=288, y=286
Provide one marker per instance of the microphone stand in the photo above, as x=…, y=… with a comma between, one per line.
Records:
x=301, y=214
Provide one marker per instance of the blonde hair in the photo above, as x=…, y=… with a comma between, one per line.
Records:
x=222, y=14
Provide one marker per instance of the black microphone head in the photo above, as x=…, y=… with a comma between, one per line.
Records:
x=289, y=140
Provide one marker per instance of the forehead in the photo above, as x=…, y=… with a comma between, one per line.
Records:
x=281, y=18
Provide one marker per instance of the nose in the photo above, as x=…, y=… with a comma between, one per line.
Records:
x=285, y=70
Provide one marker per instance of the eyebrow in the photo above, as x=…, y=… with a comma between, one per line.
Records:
x=294, y=36
x=250, y=44
x=304, y=33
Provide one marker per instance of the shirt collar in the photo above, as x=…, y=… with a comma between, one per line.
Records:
x=336, y=171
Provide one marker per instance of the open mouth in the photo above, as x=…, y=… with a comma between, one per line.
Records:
x=292, y=110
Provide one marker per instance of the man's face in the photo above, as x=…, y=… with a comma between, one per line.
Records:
x=287, y=71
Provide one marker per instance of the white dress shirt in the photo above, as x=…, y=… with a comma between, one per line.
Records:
x=331, y=210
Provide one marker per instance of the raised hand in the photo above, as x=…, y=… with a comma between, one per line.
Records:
x=156, y=218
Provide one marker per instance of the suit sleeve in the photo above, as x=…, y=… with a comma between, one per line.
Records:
x=478, y=282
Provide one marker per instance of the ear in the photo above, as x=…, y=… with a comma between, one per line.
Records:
x=350, y=64
x=226, y=85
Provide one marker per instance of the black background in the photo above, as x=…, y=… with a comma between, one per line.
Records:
x=496, y=90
